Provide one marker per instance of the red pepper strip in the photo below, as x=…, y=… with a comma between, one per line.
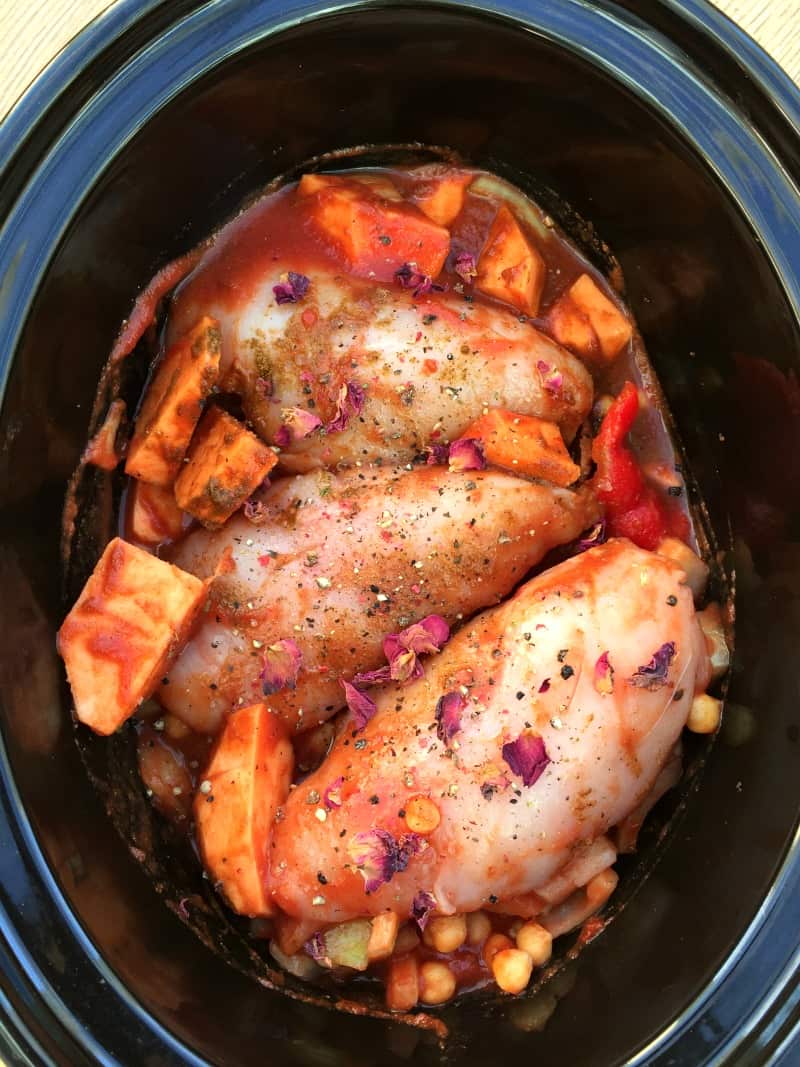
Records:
x=633, y=508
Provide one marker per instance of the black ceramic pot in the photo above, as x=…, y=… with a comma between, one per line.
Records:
x=677, y=138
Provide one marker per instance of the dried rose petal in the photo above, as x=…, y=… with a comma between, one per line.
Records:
x=402, y=649
x=349, y=403
x=654, y=674
x=595, y=536
x=448, y=715
x=552, y=380
x=332, y=796
x=281, y=666
x=291, y=288
x=421, y=907
x=254, y=511
x=464, y=265
x=362, y=706
x=437, y=454
x=283, y=437
x=527, y=757
x=604, y=675
x=379, y=856
x=315, y=948
x=263, y=387
x=368, y=678
x=300, y=423
x=544, y=686
x=410, y=278
x=466, y=454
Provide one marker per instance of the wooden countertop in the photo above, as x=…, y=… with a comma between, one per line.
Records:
x=33, y=31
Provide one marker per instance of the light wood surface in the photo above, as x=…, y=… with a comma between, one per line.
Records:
x=33, y=31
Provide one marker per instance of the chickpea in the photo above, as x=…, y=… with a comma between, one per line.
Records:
x=407, y=939
x=437, y=983
x=512, y=968
x=479, y=926
x=704, y=714
x=514, y=929
x=536, y=941
x=445, y=933
x=175, y=729
x=495, y=943
x=693, y=567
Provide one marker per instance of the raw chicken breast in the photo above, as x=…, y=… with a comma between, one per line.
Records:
x=592, y=666
x=340, y=561
x=428, y=366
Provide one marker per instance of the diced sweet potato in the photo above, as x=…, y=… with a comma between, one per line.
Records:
x=225, y=464
x=439, y=192
x=383, y=936
x=131, y=619
x=249, y=777
x=154, y=516
x=374, y=234
x=584, y=320
x=402, y=984
x=376, y=183
x=291, y=934
x=173, y=404
x=509, y=268
x=525, y=445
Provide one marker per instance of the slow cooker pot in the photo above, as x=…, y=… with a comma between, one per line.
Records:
x=677, y=138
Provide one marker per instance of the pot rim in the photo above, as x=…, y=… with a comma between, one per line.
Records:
x=45, y=132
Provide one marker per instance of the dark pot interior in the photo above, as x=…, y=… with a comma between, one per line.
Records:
x=706, y=294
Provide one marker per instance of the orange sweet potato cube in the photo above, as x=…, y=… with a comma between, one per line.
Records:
x=525, y=445
x=509, y=268
x=291, y=934
x=132, y=618
x=173, y=404
x=374, y=234
x=439, y=191
x=153, y=514
x=248, y=778
x=224, y=465
x=586, y=321
x=376, y=183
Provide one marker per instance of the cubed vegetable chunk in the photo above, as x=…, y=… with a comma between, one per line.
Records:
x=439, y=191
x=586, y=321
x=525, y=445
x=225, y=464
x=154, y=515
x=383, y=936
x=173, y=404
x=291, y=934
x=346, y=944
x=248, y=778
x=509, y=268
x=132, y=618
x=374, y=234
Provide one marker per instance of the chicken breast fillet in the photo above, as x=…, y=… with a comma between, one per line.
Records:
x=579, y=686
x=427, y=366
x=340, y=561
